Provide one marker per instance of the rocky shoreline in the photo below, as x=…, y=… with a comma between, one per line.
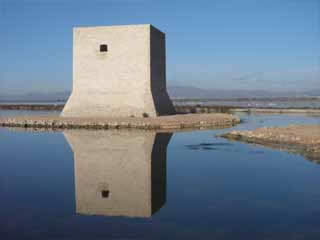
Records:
x=302, y=139
x=172, y=122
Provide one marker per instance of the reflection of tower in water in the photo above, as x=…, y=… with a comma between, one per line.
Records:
x=119, y=173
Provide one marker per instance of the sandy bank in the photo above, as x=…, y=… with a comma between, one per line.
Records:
x=303, y=139
x=173, y=122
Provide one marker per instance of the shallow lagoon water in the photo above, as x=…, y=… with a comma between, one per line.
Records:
x=14, y=113
x=142, y=185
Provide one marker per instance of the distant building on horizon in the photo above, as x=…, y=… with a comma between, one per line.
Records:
x=118, y=71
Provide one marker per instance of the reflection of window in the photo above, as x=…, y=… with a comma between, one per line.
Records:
x=105, y=193
x=103, y=48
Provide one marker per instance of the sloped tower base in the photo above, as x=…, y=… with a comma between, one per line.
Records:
x=119, y=71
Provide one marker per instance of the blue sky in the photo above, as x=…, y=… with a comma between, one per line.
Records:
x=238, y=44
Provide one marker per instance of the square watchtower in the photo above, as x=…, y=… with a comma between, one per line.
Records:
x=118, y=71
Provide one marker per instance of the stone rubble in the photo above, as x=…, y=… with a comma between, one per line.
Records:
x=171, y=122
x=297, y=138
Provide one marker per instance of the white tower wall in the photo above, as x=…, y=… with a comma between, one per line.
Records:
x=129, y=79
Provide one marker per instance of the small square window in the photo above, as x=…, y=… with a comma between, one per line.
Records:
x=103, y=48
x=105, y=193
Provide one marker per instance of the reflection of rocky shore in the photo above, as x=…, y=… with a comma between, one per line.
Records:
x=303, y=139
x=119, y=173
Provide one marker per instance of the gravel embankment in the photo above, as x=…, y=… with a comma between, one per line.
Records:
x=180, y=121
x=304, y=139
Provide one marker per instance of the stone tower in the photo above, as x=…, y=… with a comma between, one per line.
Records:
x=118, y=71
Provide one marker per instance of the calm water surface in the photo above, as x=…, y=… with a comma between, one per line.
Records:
x=12, y=113
x=146, y=185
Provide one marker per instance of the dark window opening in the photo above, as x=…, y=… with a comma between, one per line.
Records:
x=105, y=193
x=103, y=48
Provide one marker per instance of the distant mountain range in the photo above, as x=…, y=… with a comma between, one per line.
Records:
x=175, y=92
